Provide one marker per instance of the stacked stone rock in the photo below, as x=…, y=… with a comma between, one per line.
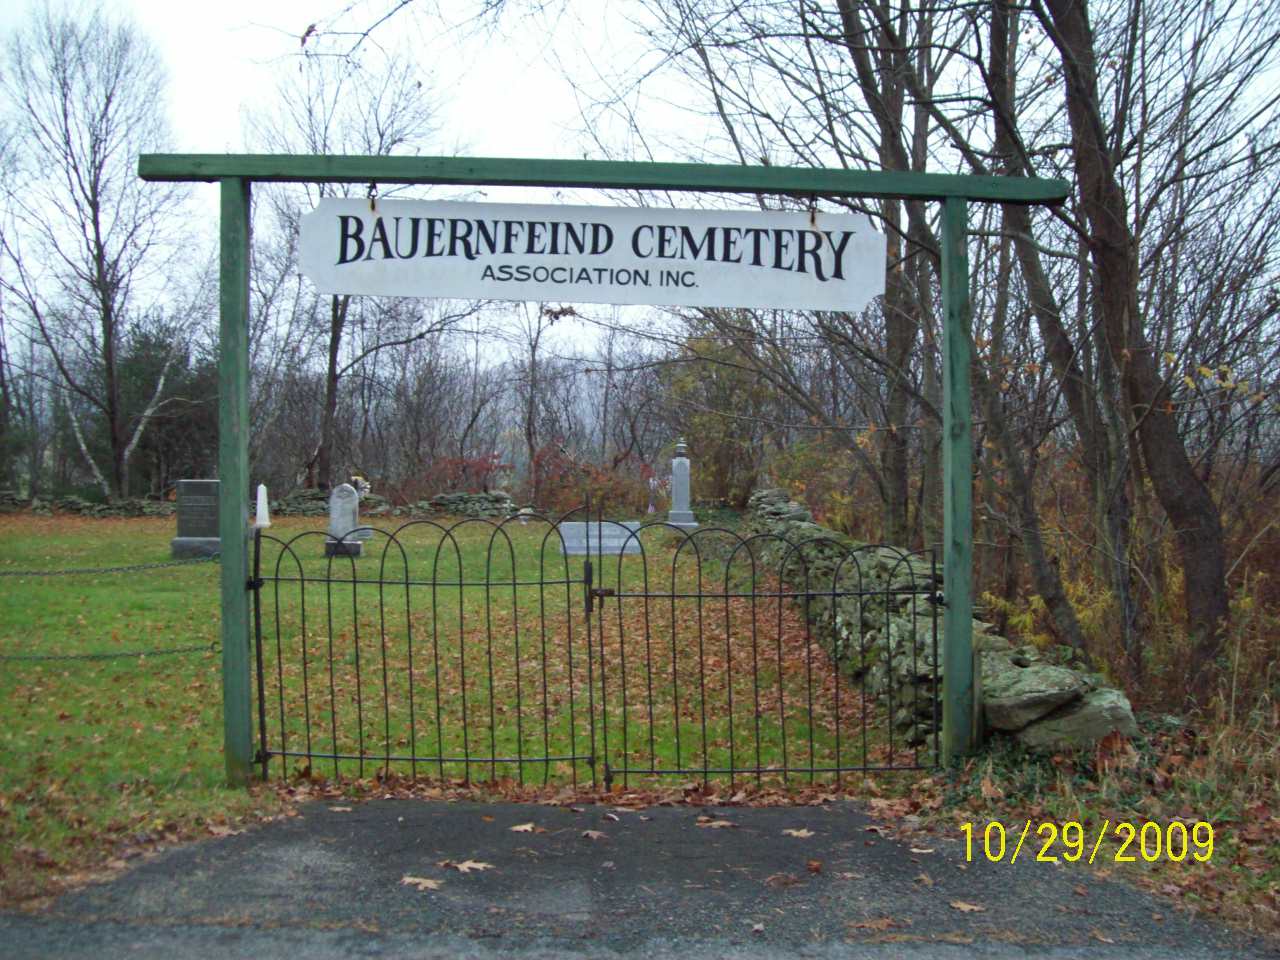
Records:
x=494, y=505
x=315, y=503
x=1046, y=699
x=87, y=508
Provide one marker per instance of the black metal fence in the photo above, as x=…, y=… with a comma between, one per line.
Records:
x=480, y=650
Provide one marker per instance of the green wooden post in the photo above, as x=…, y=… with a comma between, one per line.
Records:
x=233, y=472
x=958, y=733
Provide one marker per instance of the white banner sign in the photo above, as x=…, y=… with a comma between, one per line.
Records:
x=696, y=258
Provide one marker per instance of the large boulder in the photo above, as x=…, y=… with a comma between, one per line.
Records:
x=1081, y=724
x=1016, y=692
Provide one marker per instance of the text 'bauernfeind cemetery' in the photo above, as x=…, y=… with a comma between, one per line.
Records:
x=625, y=255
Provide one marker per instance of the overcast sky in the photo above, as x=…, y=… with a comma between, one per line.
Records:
x=496, y=92
x=497, y=97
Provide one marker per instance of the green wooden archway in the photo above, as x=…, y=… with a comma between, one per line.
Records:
x=237, y=173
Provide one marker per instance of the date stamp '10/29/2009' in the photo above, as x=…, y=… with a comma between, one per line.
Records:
x=1051, y=842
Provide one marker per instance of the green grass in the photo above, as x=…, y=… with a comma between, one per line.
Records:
x=104, y=755
x=101, y=755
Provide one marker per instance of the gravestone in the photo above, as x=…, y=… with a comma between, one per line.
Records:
x=680, y=515
x=344, y=539
x=197, y=520
x=607, y=538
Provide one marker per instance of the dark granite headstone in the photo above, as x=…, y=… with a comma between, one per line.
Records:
x=197, y=520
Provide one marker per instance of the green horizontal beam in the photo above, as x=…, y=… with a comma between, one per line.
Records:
x=718, y=178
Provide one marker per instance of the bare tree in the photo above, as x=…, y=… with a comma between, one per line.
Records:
x=347, y=106
x=87, y=238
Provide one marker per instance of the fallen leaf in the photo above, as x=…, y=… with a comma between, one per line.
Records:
x=522, y=828
x=422, y=883
x=757, y=928
x=814, y=866
x=1080, y=890
x=922, y=849
x=340, y=809
x=990, y=791
x=465, y=866
x=779, y=880
x=594, y=835
x=1098, y=935
x=714, y=824
x=612, y=816
x=802, y=833
x=925, y=879
x=965, y=907
x=880, y=923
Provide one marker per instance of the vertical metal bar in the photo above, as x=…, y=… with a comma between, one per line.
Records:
x=542, y=629
x=587, y=586
x=675, y=669
x=837, y=652
x=957, y=487
x=233, y=472
x=622, y=667
x=333, y=693
x=382, y=644
x=805, y=615
x=782, y=697
x=936, y=711
x=604, y=684
x=515, y=630
x=306, y=703
x=728, y=674
x=568, y=627
x=408, y=637
x=755, y=664
x=355, y=640
x=257, y=647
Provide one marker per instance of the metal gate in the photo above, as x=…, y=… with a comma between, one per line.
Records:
x=480, y=650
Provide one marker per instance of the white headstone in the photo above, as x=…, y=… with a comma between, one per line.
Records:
x=680, y=514
x=344, y=517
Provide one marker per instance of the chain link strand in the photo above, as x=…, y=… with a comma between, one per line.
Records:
x=90, y=571
x=158, y=652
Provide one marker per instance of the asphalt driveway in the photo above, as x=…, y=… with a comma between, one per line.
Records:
x=597, y=881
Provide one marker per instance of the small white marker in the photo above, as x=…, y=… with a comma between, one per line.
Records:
x=263, y=519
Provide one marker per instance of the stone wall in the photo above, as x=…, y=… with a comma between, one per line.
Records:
x=495, y=505
x=11, y=503
x=1046, y=699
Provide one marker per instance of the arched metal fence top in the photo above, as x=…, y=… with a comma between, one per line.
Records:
x=634, y=675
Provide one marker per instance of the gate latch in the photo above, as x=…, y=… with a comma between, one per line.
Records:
x=599, y=593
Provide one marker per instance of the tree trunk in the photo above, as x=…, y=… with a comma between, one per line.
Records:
x=323, y=476
x=1114, y=251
